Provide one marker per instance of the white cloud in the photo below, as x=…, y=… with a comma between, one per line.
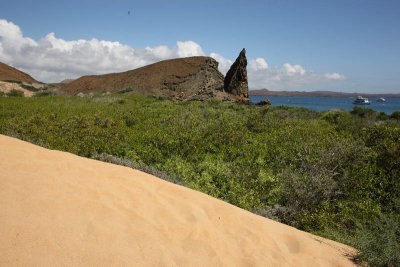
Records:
x=224, y=64
x=258, y=64
x=189, y=49
x=52, y=59
x=14, y=35
x=288, y=76
x=335, y=76
x=292, y=70
x=160, y=52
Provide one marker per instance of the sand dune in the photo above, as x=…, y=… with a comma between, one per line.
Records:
x=58, y=209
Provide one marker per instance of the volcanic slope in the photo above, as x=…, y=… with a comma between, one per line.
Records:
x=183, y=77
x=8, y=73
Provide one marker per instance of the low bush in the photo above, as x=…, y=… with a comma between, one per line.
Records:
x=136, y=165
x=125, y=90
x=362, y=112
x=43, y=93
x=379, y=241
x=13, y=81
x=15, y=93
x=29, y=87
x=395, y=115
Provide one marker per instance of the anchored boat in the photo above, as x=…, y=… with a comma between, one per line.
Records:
x=361, y=101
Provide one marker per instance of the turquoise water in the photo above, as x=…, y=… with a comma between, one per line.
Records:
x=326, y=103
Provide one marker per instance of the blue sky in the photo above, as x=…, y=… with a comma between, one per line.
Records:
x=341, y=45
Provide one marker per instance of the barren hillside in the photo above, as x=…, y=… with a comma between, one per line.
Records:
x=8, y=73
x=183, y=77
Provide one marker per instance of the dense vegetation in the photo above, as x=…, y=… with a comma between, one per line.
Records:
x=334, y=173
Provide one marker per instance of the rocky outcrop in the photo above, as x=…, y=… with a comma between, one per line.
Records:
x=182, y=78
x=191, y=78
x=13, y=79
x=235, y=81
x=264, y=102
x=204, y=81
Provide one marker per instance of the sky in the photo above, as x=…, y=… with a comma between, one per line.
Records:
x=294, y=45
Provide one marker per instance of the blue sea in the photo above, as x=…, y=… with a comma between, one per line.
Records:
x=326, y=103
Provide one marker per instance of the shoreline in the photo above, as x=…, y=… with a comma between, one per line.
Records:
x=264, y=92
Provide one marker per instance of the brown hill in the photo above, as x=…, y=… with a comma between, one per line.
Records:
x=186, y=78
x=8, y=73
x=58, y=209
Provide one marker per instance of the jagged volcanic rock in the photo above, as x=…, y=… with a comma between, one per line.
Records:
x=236, y=78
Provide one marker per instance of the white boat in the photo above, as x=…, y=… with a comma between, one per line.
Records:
x=381, y=99
x=361, y=101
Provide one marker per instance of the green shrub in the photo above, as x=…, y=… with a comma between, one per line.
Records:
x=382, y=116
x=126, y=90
x=341, y=120
x=368, y=113
x=139, y=166
x=385, y=141
x=15, y=93
x=29, y=87
x=130, y=120
x=13, y=81
x=362, y=112
x=379, y=242
x=43, y=93
x=329, y=173
x=395, y=115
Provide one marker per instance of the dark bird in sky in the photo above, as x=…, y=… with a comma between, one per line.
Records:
x=129, y=12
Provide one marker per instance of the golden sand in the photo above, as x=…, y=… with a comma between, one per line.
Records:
x=58, y=209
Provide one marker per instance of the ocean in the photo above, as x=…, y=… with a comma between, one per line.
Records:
x=326, y=103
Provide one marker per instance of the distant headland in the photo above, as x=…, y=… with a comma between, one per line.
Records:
x=266, y=92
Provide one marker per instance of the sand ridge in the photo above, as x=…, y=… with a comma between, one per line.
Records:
x=59, y=209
